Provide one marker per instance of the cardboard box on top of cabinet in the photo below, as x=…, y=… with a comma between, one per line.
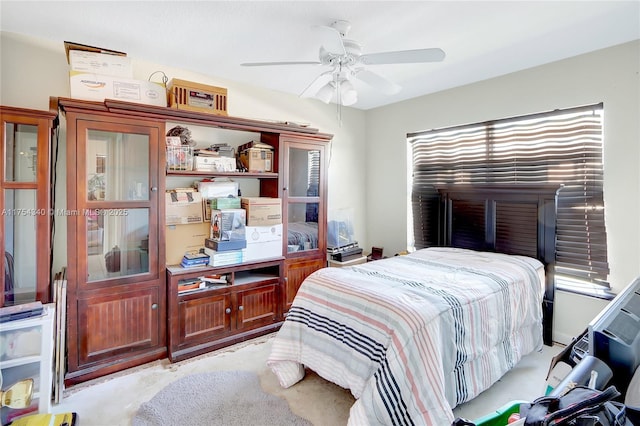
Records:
x=100, y=63
x=98, y=87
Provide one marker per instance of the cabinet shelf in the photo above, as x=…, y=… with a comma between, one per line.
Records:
x=179, y=271
x=21, y=361
x=199, y=292
x=265, y=175
x=245, y=277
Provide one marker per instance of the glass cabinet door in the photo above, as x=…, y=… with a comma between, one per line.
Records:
x=302, y=197
x=21, y=152
x=117, y=166
x=24, y=205
x=19, y=212
x=118, y=199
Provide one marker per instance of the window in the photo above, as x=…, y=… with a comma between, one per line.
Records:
x=561, y=147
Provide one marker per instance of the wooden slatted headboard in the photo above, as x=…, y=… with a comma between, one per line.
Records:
x=514, y=219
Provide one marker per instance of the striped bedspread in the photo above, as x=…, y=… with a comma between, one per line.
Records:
x=413, y=336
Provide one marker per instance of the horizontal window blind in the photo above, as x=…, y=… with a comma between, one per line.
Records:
x=561, y=147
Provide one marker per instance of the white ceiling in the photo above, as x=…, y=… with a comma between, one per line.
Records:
x=482, y=39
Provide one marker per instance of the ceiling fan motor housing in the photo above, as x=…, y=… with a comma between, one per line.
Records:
x=342, y=27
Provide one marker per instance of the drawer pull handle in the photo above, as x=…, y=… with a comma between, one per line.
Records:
x=228, y=310
x=241, y=308
x=154, y=306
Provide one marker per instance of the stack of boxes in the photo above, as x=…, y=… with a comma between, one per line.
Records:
x=185, y=228
x=244, y=230
x=97, y=74
x=264, y=227
x=227, y=236
x=238, y=230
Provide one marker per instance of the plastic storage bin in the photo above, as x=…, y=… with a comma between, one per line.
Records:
x=501, y=415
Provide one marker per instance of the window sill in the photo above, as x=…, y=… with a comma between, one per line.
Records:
x=585, y=289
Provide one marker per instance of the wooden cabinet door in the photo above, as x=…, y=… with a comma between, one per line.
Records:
x=256, y=307
x=303, y=194
x=116, y=294
x=112, y=325
x=204, y=318
x=25, y=201
x=304, y=208
x=295, y=272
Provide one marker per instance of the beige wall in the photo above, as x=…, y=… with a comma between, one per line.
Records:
x=609, y=76
x=368, y=154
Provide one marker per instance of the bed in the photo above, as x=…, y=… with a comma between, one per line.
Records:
x=413, y=336
x=302, y=235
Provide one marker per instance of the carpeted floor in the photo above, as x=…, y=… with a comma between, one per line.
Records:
x=115, y=399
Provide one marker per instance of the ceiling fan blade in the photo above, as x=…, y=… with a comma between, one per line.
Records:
x=312, y=89
x=403, y=57
x=262, y=64
x=378, y=82
x=332, y=39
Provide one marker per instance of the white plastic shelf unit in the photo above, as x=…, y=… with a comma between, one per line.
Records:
x=26, y=351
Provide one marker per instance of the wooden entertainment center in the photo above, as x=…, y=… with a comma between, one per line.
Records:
x=124, y=314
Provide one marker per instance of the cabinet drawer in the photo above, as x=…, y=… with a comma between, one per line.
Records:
x=13, y=375
x=16, y=344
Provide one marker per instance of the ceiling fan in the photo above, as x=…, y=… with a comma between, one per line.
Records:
x=347, y=62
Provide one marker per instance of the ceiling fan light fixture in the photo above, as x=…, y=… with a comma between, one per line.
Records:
x=348, y=94
x=326, y=92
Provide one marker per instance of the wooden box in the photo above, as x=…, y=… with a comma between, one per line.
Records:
x=191, y=96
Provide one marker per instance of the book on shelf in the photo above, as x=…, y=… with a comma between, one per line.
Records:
x=194, y=260
x=191, y=285
x=206, y=153
x=214, y=279
x=193, y=265
x=201, y=283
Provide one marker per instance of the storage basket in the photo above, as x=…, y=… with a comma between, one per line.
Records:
x=179, y=157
